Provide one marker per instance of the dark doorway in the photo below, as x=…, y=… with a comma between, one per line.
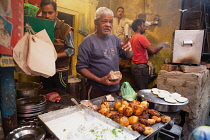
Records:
x=66, y=17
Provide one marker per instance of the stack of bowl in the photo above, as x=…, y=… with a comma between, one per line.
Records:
x=31, y=106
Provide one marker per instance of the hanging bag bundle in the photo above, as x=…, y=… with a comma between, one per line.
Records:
x=35, y=54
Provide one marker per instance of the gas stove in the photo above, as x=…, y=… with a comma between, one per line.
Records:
x=173, y=134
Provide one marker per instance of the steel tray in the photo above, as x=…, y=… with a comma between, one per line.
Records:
x=58, y=114
x=157, y=126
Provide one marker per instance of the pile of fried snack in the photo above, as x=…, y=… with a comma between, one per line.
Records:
x=135, y=115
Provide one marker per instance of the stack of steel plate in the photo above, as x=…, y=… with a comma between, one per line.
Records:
x=30, y=107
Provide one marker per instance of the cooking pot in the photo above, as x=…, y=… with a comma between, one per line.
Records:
x=74, y=87
x=27, y=89
x=159, y=104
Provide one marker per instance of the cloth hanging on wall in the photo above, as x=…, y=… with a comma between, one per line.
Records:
x=83, y=28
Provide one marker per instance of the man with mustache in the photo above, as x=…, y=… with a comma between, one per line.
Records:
x=99, y=54
x=121, y=28
x=121, y=25
x=63, y=43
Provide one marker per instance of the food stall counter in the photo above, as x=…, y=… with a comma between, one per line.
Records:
x=66, y=102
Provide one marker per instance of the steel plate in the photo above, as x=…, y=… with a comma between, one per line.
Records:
x=30, y=107
x=31, y=103
x=27, y=115
x=30, y=110
x=148, y=95
x=27, y=133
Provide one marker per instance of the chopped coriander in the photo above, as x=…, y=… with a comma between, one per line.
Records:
x=92, y=131
x=64, y=130
x=114, y=132
x=119, y=130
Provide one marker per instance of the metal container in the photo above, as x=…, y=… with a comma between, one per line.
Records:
x=74, y=87
x=27, y=89
x=158, y=103
x=188, y=46
x=64, y=116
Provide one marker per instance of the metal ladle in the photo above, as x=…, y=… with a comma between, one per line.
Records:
x=87, y=117
x=75, y=101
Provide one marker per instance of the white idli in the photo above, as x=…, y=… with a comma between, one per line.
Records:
x=165, y=91
x=175, y=95
x=170, y=100
x=182, y=99
x=163, y=95
x=155, y=92
x=154, y=89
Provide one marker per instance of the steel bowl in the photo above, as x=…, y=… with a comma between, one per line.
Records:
x=94, y=107
x=30, y=132
x=86, y=103
x=27, y=89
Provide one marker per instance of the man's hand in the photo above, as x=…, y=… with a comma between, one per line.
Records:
x=126, y=45
x=165, y=44
x=62, y=54
x=105, y=80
